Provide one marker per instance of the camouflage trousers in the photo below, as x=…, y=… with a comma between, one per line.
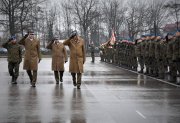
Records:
x=153, y=67
x=161, y=66
x=13, y=69
x=92, y=56
x=172, y=67
x=141, y=61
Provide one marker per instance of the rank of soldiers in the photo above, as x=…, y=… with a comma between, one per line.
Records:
x=157, y=56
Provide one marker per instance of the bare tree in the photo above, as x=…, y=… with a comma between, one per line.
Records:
x=135, y=17
x=174, y=9
x=85, y=11
x=113, y=12
x=156, y=16
x=67, y=14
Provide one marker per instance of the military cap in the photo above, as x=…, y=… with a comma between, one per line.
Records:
x=73, y=33
x=12, y=38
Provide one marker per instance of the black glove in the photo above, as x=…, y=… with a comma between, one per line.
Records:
x=20, y=61
x=39, y=60
x=26, y=36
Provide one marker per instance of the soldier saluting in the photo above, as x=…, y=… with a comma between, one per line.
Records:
x=77, y=57
x=14, y=57
x=32, y=56
x=59, y=57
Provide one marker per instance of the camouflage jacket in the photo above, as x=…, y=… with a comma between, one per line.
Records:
x=14, y=52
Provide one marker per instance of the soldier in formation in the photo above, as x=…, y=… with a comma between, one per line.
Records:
x=154, y=54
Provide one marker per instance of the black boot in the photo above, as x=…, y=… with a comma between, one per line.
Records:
x=15, y=80
x=161, y=76
x=12, y=80
x=172, y=79
x=141, y=71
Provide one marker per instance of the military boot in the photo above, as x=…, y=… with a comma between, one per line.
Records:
x=141, y=71
x=15, y=80
x=12, y=80
x=147, y=71
x=172, y=79
x=161, y=76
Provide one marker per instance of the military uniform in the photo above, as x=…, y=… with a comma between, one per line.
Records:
x=153, y=63
x=77, y=58
x=171, y=63
x=92, y=49
x=160, y=58
x=31, y=58
x=176, y=53
x=59, y=57
x=14, y=59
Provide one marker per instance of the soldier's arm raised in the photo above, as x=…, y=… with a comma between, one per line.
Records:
x=49, y=46
x=22, y=41
x=67, y=42
x=5, y=45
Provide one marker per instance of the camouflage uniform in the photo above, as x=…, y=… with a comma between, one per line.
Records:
x=14, y=59
x=176, y=53
x=171, y=63
x=139, y=56
x=160, y=58
x=153, y=62
x=142, y=46
x=92, y=49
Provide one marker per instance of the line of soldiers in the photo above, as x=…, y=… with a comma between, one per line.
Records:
x=156, y=55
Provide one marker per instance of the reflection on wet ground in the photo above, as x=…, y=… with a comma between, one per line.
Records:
x=108, y=95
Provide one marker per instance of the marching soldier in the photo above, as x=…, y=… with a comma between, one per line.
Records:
x=14, y=58
x=59, y=57
x=77, y=57
x=32, y=56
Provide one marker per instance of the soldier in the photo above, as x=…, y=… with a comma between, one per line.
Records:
x=176, y=52
x=153, y=65
x=32, y=56
x=133, y=58
x=142, y=46
x=77, y=57
x=169, y=55
x=138, y=53
x=59, y=57
x=92, y=48
x=14, y=58
x=160, y=56
x=146, y=54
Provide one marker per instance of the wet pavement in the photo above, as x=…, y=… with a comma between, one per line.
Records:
x=108, y=94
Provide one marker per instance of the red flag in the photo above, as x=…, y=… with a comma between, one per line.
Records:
x=113, y=38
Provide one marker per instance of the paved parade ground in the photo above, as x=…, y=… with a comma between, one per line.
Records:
x=108, y=94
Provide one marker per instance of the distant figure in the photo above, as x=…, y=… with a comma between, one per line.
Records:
x=92, y=48
x=59, y=57
x=14, y=58
x=32, y=56
x=77, y=57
